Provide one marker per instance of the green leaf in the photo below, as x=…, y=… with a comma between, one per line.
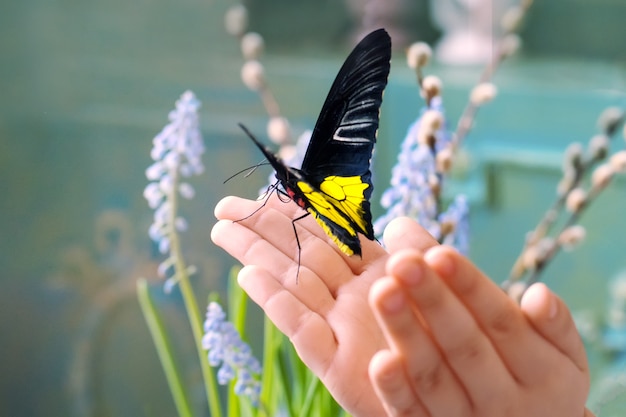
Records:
x=164, y=349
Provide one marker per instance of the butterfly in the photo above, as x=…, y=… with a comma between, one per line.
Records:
x=334, y=183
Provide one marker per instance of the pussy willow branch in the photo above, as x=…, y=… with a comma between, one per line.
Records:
x=543, y=228
x=270, y=103
x=556, y=246
x=503, y=51
x=466, y=121
x=547, y=221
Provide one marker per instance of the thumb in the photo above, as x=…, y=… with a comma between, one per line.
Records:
x=405, y=233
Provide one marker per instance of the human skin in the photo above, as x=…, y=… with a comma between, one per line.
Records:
x=458, y=348
x=459, y=339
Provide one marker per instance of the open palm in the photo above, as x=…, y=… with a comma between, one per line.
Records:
x=324, y=309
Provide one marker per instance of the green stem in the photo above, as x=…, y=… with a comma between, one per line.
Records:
x=237, y=313
x=164, y=349
x=268, y=379
x=309, y=396
x=191, y=306
x=195, y=320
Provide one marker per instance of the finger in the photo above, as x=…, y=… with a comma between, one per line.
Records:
x=309, y=332
x=251, y=249
x=386, y=371
x=552, y=319
x=248, y=246
x=498, y=315
x=236, y=208
x=274, y=222
x=406, y=233
x=462, y=342
x=428, y=375
x=267, y=238
x=266, y=223
x=272, y=219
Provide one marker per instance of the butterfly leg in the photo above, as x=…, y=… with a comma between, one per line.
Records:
x=295, y=232
x=269, y=192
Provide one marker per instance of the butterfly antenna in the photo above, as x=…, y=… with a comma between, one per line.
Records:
x=251, y=169
x=268, y=194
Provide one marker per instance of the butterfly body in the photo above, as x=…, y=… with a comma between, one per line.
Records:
x=334, y=183
x=339, y=204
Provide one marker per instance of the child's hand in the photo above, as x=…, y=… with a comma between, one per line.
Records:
x=460, y=347
x=456, y=344
x=326, y=313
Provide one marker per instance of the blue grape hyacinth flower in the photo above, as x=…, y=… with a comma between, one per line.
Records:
x=411, y=189
x=177, y=154
x=234, y=357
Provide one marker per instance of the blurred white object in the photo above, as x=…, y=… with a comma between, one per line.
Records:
x=470, y=28
x=370, y=15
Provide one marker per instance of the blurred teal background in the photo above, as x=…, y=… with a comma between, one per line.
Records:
x=84, y=86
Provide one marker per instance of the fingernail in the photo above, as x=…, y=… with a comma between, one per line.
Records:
x=411, y=272
x=438, y=257
x=393, y=301
x=553, y=307
x=408, y=269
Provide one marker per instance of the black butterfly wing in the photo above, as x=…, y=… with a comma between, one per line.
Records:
x=337, y=161
x=334, y=183
x=325, y=208
x=345, y=131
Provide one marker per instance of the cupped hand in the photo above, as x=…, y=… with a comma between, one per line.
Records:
x=458, y=346
x=325, y=312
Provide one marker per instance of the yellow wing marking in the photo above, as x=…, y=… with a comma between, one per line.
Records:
x=338, y=194
x=344, y=248
x=348, y=192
